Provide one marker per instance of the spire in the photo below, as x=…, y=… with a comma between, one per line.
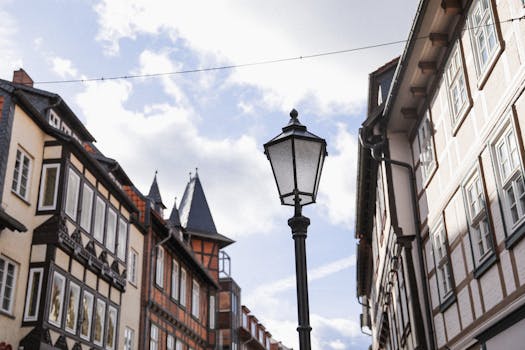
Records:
x=154, y=195
x=174, y=219
x=195, y=215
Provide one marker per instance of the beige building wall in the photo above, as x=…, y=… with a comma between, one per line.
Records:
x=16, y=246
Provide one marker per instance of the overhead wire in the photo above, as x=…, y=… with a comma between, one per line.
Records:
x=256, y=63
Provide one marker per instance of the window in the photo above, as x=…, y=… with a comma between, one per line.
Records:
x=183, y=287
x=87, y=315
x=111, y=230
x=100, y=312
x=159, y=271
x=21, y=174
x=34, y=286
x=456, y=87
x=129, y=334
x=170, y=342
x=111, y=328
x=402, y=292
x=7, y=284
x=510, y=178
x=132, y=266
x=100, y=213
x=57, y=299
x=73, y=301
x=178, y=345
x=54, y=119
x=154, y=338
x=212, y=311
x=73, y=186
x=482, y=33
x=195, y=299
x=426, y=147
x=122, y=239
x=442, y=262
x=174, y=279
x=49, y=186
x=480, y=233
x=87, y=208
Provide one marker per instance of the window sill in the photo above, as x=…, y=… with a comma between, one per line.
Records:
x=485, y=265
x=7, y=314
x=461, y=118
x=515, y=237
x=21, y=198
x=487, y=70
x=451, y=299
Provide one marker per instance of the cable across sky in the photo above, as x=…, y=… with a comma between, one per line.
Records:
x=251, y=64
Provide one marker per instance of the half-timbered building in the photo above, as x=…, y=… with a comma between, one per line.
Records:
x=441, y=193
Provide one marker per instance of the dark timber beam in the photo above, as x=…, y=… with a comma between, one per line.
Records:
x=438, y=39
x=427, y=67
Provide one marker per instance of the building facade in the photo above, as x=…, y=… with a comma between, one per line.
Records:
x=441, y=200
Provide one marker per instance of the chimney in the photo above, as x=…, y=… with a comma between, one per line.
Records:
x=21, y=77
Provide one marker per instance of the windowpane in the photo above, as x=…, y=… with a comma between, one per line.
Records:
x=483, y=33
x=7, y=284
x=128, y=338
x=20, y=184
x=100, y=212
x=111, y=328
x=57, y=299
x=100, y=312
x=159, y=272
x=72, y=308
x=87, y=315
x=132, y=267
x=33, y=294
x=111, y=230
x=170, y=342
x=212, y=311
x=175, y=280
x=49, y=186
x=73, y=186
x=183, y=287
x=195, y=300
x=154, y=338
x=122, y=239
x=87, y=208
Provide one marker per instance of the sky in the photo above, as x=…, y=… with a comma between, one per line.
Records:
x=217, y=121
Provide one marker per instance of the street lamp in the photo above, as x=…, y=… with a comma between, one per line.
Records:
x=297, y=158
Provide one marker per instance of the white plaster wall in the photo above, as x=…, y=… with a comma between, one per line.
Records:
x=519, y=255
x=491, y=288
x=465, y=309
x=508, y=274
x=451, y=318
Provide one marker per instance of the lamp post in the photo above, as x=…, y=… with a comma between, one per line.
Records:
x=297, y=158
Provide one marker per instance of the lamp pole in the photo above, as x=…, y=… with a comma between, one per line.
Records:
x=299, y=224
x=297, y=158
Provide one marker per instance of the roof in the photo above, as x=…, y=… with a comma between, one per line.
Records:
x=154, y=193
x=9, y=222
x=195, y=214
x=174, y=219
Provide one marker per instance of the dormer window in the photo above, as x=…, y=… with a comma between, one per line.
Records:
x=379, y=95
x=54, y=119
x=65, y=129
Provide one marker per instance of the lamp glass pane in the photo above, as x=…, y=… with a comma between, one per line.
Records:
x=307, y=157
x=319, y=170
x=280, y=155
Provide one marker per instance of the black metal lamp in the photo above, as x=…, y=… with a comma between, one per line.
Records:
x=297, y=158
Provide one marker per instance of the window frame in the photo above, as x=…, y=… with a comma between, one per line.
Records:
x=153, y=337
x=102, y=223
x=43, y=187
x=72, y=173
x=195, y=299
x=102, y=319
x=7, y=262
x=443, y=266
x=159, y=267
x=110, y=238
x=170, y=342
x=90, y=309
x=426, y=147
x=111, y=309
x=62, y=281
x=129, y=335
x=18, y=171
x=84, y=215
x=133, y=262
x=175, y=283
x=30, y=296
x=122, y=235
x=212, y=311
x=456, y=58
x=72, y=286
x=483, y=69
x=183, y=286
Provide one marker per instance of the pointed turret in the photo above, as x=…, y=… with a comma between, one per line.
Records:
x=154, y=196
x=174, y=219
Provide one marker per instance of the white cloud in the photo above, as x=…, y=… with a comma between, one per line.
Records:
x=337, y=187
x=165, y=137
x=62, y=66
x=337, y=344
x=11, y=58
x=227, y=32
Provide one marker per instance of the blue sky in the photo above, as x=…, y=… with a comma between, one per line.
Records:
x=218, y=121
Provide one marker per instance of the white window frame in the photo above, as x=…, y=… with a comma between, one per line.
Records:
x=178, y=344
x=129, y=334
x=154, y=337
x=427, y=161
x=100, y=216
x=22, y=174
x=3, y=287
x=478, y=218
x=89, y=298
x=97, y=317
x=170, y=342
x=174, y=279
x=34, y=289
x=159, y=267
x=442, y=263
x=456, y=82
x=111, y=322
x=61, y=280
x=212, y=312
x=183, y=286
x=483, y=30
x=195, y=299
x=133, y=266
x=71, y=203
x=122, y=242
x=73, y=292
x=510, y=177
x=44, y=183
x=111, y=229
x=86, y=207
